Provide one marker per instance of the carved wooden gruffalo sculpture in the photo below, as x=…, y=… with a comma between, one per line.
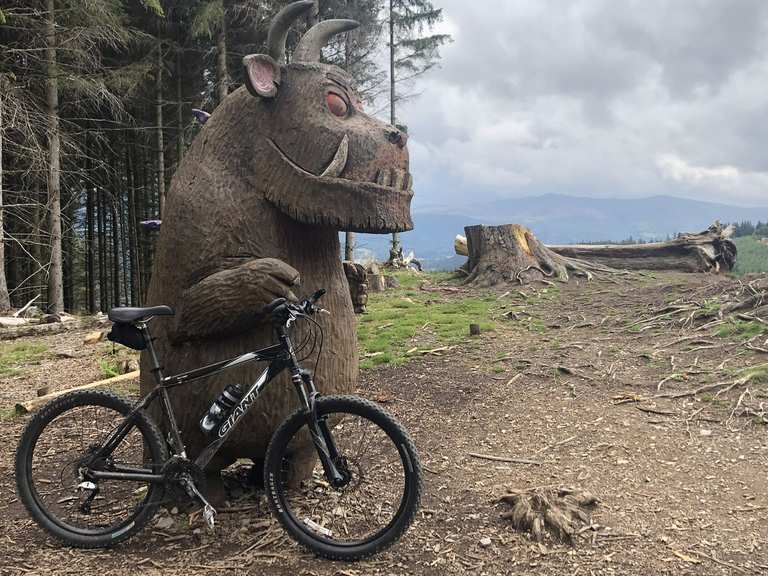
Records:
x=253, y=214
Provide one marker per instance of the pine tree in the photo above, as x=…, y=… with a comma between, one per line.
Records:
x=411, y=54
x=210, y=22
x=5, y=300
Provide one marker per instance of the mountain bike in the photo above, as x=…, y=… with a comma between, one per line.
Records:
x=92, y=469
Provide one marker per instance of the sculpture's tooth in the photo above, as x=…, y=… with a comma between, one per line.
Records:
x=339, y=161
x=397, y=181
x=384, y=177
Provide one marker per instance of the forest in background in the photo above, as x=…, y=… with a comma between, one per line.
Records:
x=96, y=100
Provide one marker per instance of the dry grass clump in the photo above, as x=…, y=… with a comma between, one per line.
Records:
x=555, y=512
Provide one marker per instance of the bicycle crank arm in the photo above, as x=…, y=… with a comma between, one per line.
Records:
x=209, y=512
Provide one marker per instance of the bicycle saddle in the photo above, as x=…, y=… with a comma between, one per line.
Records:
x=127, y=314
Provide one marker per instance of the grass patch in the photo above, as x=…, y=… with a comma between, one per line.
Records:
x=109, y=367
x=710, y=307
x=396, y=317
x=755, y=374
x=14, y=357
x=8, y=414
x=745, y=329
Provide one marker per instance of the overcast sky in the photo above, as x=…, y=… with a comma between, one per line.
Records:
x=612, y=98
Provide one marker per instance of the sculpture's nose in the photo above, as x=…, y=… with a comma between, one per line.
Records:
x=397, y=136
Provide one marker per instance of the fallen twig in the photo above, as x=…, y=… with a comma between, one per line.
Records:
x=504, y=459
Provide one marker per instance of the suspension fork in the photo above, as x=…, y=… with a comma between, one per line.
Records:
x=318, y=428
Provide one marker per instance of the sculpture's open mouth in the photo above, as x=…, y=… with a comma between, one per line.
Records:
x=380, y=205
x=390, y=178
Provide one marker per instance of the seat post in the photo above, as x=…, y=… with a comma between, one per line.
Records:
x=157, y=370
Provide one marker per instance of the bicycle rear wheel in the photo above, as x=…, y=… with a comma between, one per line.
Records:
x=381, y=495
x=61, y=439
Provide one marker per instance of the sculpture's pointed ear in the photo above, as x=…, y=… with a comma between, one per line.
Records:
x=262, y=75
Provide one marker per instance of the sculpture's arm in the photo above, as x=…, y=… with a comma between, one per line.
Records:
x=229, y=302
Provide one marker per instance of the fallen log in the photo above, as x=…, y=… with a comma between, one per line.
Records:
x=24, y=330
x=12, y=321
x=707, y=251
x=35, y=403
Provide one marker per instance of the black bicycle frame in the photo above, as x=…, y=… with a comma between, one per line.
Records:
x=280, y=357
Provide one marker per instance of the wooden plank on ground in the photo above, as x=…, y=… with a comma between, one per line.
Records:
x=35, y=403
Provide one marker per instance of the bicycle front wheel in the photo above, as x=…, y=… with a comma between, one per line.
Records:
x=59, y=443
x=382, y=487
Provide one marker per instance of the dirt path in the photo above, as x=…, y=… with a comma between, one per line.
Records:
x=682, y=485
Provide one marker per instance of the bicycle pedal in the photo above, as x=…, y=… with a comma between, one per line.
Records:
x=209, y=515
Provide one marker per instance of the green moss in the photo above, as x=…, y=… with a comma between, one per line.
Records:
x=14, y=357
x=741, y=329
x=755, y=374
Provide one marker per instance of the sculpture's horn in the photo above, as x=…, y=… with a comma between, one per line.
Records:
x=281, y=23
x=316, y=37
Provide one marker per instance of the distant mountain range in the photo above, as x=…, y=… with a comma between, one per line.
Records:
x=560, y=219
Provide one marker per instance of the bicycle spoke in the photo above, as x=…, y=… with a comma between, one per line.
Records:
x=63, y=445
x=371, y=499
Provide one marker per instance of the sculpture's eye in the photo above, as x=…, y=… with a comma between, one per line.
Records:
x=336, y=104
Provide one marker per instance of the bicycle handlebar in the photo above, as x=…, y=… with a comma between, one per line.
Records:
x=279, y=309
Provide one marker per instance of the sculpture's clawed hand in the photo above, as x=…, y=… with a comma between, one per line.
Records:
x=272, y=278
x=228, y=302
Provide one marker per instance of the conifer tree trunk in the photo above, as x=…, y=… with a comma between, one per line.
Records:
x=5, y=300
x=102, y=245
x=395, y=249
x=132, y=244
x=179, y=111
x=36, y=272
x=146, y=205
x=122, y=216
x=68, y=253
x=160, y=141
x=221, y=61
x=115, y=252
x=55, y=276
x=89, y=250
x=349, y=246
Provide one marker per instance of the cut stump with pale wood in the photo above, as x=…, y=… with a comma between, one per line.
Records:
x=512, y=253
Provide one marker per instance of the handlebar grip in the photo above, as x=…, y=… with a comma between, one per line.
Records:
x=269, y=308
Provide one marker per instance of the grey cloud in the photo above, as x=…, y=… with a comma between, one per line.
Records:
x=587, y=96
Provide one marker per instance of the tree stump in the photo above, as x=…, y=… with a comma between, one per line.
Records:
x=511, y=253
